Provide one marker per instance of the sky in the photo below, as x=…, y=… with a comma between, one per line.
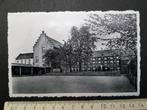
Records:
x=24, y=28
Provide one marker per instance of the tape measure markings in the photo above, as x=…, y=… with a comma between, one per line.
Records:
x=138, y=104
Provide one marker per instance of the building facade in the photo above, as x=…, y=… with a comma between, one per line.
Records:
x=24, y=58
x=42, y=44
x=103, y=60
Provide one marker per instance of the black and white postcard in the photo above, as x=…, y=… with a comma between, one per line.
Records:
x=93, y=53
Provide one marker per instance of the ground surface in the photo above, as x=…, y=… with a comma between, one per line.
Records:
x=71, y=84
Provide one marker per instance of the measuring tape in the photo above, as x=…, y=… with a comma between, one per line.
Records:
x=131, y=104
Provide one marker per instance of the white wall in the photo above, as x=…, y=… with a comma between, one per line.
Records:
x=25, y=61
x=42, y=42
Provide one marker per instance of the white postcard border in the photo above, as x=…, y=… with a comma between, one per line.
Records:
x=11, y=94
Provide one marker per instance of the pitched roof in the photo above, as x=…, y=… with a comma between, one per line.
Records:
x=102, y=53
x=54, y=42
x=112, y=53
x=24, y=56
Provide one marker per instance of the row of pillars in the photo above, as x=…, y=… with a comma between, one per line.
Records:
x=20, y=71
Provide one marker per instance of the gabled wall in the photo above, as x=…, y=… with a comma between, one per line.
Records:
x=42, y=44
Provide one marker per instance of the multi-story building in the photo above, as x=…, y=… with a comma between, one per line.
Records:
x=103, y=60
x=24, y=58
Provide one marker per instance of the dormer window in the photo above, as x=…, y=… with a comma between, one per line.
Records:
x=42, y=31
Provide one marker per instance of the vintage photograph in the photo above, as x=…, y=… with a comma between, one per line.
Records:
x=94, y=53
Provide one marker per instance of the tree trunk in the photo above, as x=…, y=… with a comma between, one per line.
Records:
x=70, y=69
x=80, y=66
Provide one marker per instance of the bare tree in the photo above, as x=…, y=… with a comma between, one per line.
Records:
x=124, y=24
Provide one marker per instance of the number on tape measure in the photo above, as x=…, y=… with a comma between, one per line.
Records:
x=140, y=104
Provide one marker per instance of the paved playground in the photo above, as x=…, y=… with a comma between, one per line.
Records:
x=71, y=84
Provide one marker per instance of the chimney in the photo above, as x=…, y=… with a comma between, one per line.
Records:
x=42, y=32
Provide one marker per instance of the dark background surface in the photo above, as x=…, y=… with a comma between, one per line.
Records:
x=67, y=5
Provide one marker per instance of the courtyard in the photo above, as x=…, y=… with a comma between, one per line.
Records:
x=71, y=84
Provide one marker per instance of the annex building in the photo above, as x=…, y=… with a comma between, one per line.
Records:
x=25, y=58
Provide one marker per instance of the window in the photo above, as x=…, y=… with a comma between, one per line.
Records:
x=83, y=68
x=105, y=61
x=118, y=68
x=36, y=59
x=111, y=58
x=118, y=61
x=111, y=61
x=21, y=61
x=93, y=59
x=43, y=49
x=29, y=61
x=105, y=58
x=117, y=57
